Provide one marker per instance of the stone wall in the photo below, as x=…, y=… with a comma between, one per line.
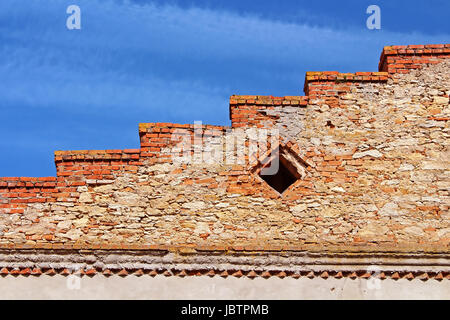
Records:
x=371, y=151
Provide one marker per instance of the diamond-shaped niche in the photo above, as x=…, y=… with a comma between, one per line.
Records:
x=281, y=169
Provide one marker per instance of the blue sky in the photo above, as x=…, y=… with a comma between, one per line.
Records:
x=173, y=61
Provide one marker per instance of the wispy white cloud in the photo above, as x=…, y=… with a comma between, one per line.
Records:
x=115, y=60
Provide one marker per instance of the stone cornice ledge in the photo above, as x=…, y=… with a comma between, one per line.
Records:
x=361, y=264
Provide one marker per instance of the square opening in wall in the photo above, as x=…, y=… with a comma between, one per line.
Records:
x=280, y=177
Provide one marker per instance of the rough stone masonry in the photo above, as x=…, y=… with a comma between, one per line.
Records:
x=371, y=186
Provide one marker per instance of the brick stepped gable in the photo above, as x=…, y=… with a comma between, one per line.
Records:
x=80, y=174
x=243, y=112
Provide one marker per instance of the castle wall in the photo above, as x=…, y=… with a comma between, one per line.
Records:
x=373, y=150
